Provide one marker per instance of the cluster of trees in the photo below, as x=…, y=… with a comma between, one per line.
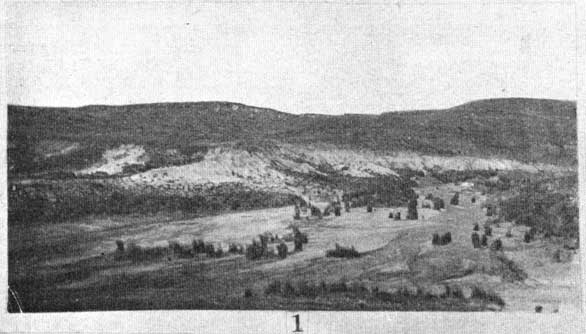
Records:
x=71, y=199
x=438, y=240
x=548, y=211
x=345, y=252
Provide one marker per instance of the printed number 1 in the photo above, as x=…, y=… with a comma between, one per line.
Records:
x=297, y=324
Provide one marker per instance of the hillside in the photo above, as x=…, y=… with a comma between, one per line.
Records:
x=525, y=130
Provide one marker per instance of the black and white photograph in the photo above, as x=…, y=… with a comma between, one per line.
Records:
x=358, y=156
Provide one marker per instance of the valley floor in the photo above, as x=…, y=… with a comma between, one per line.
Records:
x=70, y=267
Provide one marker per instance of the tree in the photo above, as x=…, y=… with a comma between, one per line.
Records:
x=455, y=200
x=412, y=209
x=475, y=240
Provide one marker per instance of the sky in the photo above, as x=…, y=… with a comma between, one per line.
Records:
x=295, y=57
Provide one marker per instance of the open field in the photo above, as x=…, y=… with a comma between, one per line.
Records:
x=75, y=266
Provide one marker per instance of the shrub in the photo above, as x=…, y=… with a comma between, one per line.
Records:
x=475, y=240
x=282, y=250
x=138, y=253
x=315, y=212
x=446, y=238
x=235, y=249
x=198, y=246
x=476, y=227
x=298, y=244
x=473, y=200
x=438, y=203
x=254, y=251
x=264, y=244
x=298, y=234
x=490, y=210
x=344, y=252
x=496, y=245
x=482, y=294
x=210, y=250
x=391, y=214
x=297, y=213
x=412, y=209
x=435, y=239
x=455, y=200
x=179, y=250
x=484, y=241
x=120, y=245
x=219, y=252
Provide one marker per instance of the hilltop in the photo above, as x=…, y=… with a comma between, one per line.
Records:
x=525, y=130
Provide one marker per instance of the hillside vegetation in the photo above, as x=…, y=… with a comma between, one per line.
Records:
x=527, y=130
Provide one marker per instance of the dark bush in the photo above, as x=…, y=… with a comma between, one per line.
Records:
x=441, y=240
x=446, y=238
x=496, y=245
x=198, y=246
x=412, y=209
x=473, y=200
x=490, y=210
x=120, y=245
x=315, y=212
x=254, y=251
x=264, y=244
x=179, y=250
x=509, y=233
x=210, y=250
x=297, y=213
x=298, y=244
x=455, y=200
x=344, y=252
x=475, y=240
x=219, y=252
x=282, y=250
x=484, y=241
x=438, y=203
x=391, y=214
x=435, y=239
x=476, y=227
x=235, y=249
x=482, y=294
